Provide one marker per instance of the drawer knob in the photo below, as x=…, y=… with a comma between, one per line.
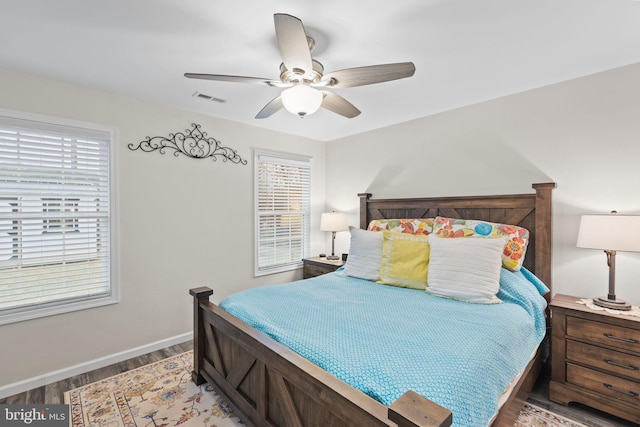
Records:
x=620, y=365
x=617, y=390
x=628, y=340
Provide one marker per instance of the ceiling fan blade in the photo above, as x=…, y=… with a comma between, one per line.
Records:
x=273, y=106
x=234, y=79
x=334, y=102
x=367, y=75
x=293, y=43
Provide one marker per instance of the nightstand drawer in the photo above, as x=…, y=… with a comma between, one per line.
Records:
x=603, y=359
x=607, y=385
x=311, y=270
x=317, y=266
x=605, y=334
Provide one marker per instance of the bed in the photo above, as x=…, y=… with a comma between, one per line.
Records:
x=269, y=384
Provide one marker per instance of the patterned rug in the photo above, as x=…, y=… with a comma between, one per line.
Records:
x=534, y=416
x=162, y=394
x=159, y=394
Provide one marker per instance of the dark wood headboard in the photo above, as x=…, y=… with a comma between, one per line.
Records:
x=531, y=211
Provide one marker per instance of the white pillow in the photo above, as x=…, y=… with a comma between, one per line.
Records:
x=465, y=269
x=365, y=253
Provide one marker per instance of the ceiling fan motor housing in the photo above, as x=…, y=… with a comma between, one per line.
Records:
x=298, y=75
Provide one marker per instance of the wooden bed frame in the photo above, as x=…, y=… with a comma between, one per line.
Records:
x=268, y=384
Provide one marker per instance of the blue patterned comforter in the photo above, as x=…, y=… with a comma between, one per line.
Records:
x=385, y=340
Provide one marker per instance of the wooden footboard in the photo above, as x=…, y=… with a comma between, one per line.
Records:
x=268, y=384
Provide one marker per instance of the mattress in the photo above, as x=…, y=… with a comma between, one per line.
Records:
x=385, y=340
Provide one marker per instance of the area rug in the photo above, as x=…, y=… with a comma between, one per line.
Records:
x=535, y=416
x=162, y=394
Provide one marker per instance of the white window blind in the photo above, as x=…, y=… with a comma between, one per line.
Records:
x=55, y=220
x=283, y=193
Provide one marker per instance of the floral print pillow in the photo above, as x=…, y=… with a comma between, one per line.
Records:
x=516, y=238
x=418, y=226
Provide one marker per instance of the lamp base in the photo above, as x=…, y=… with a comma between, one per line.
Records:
x=615, y=304
x=333, y=257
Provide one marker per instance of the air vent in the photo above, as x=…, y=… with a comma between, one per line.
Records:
x=208, y=97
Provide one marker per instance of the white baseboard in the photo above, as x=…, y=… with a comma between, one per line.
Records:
x=61, y=374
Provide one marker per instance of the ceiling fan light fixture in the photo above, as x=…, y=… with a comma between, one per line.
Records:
x=302, y=100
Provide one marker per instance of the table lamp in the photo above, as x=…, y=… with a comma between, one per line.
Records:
x=611, y=233
x=333, y=222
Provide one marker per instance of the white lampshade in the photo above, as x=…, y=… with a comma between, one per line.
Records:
x=610, y=232
x=333, y=221
x=301, y=99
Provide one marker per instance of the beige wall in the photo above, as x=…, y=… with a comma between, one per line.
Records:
x=582, y=134
x=183, y=223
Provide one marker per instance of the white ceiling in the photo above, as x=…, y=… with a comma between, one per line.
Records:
x=465, y=51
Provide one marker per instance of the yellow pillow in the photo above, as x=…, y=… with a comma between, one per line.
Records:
x=405, y=259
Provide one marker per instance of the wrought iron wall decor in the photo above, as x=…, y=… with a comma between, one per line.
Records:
x=192, y=143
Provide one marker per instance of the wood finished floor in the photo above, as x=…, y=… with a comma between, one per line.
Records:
x=54, y=393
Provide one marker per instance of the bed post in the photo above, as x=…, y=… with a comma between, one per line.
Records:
x=543, y=231
x=200, y=295
x=364, y=212
x=413, y=410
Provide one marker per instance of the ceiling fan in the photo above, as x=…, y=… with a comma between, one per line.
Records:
x=303, y=77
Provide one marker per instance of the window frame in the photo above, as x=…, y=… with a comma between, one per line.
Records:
x=291, y=159
x=44, y=122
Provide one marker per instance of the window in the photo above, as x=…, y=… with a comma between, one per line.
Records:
x=283, y=193
x=57, y=246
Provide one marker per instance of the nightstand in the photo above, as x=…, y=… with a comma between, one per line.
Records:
x=317, y=266
x=595, y=358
